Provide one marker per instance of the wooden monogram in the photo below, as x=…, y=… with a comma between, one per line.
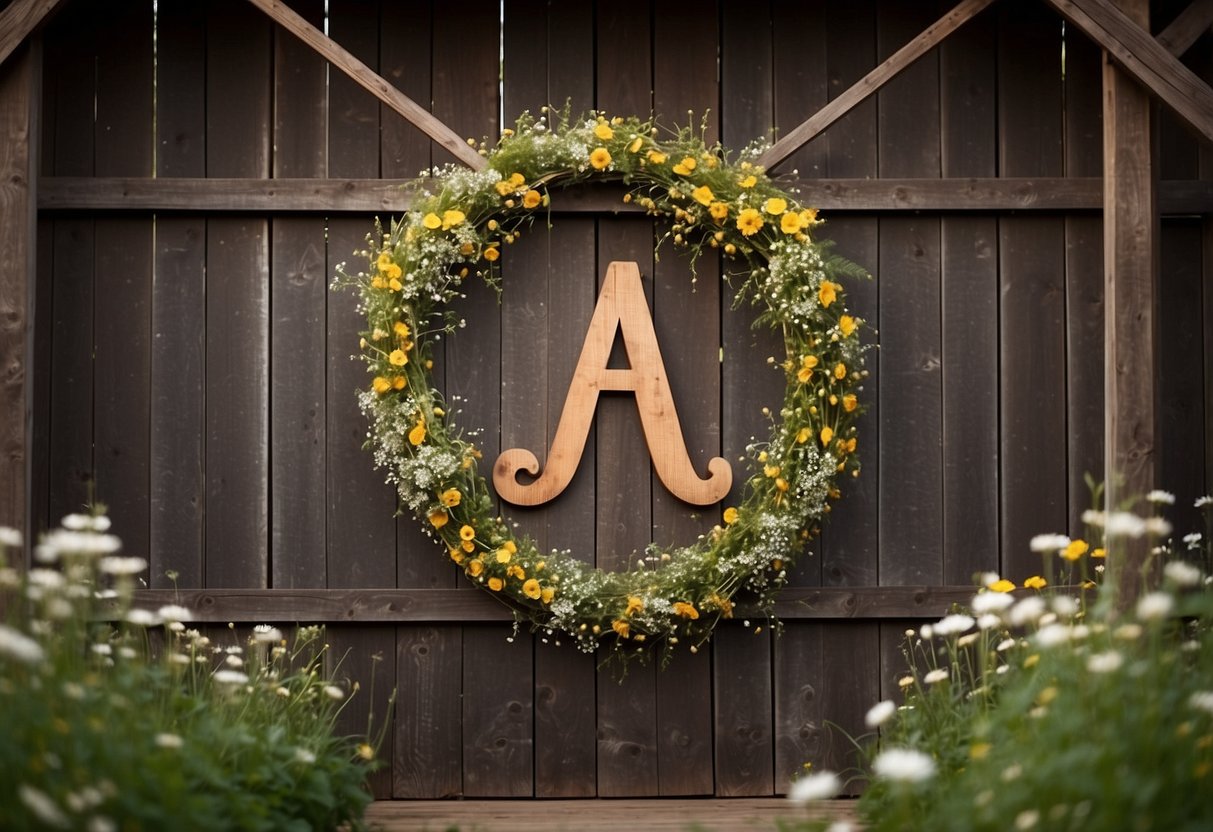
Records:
x=621, y=307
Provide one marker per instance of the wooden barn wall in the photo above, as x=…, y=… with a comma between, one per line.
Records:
x=196, y=375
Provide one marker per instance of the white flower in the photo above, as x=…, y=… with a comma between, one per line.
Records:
x=10, y=537
x=987, y=578
x=334, y=692
x=169, y=741
x=1127, y=632
x=1193, y=540
x=1155, y=605
x=879, y=714
x=142, y=618
x=1158, y=527
x=179, y=658
x=265, y=634
x=1049, y=542
x=1201, y=502
x=926, y=632
x=1182, y=573
x=939, y=674
x=100, y=823
x=815, y=787
x=230, y=677
x=1005, y=645
x=76, y=522
x=1093, y=517
x=122, y=565
x=1124, y=524
x=839, y=826
x=966, y=640
x=59, y=541
x=1065, y=605
x=43, y=807
x=46, y=578
x=953, y=624
x=174, y=612
x=991, y=602
x=233, y=661
x=302, y=755
x=1027, y=819
x=903, y=765
x=102, y=649
x=1027, y=610
x=988, y=621
x=18, y=646
x=1052, y=635
x=1202, y=700
x=1160, y=498
x=1105, y=662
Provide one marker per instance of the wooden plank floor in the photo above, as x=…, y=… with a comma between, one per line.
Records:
x=658, y=815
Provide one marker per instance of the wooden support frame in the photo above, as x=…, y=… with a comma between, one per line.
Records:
x=1184, y=30
x=371, y=81
x=19, y=19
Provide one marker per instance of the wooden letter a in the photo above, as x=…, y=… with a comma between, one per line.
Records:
x=621, y=306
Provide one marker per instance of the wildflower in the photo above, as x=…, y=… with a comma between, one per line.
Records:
x=719, y=211
x=531, y=588
x=142, y=618
x=603, y=131
x=657, y=157
x=19, y=647
x=775, y=205
x=302, y=755
x=1035, y=582
x=1074, y=549
x=1201, y=502
x=1160, y=498
x=953, y=624
x=925, y=632
x=417, y=434
x=685, y=610
x=1001, y=585
x=1105, y=662
x=1128, y=632
x=621, y=628
x=600, y=158
x=879, y=713
x=905, y=681
x=820, y=786
x=1027, y=611
x=790, y=223
x=985, y=602
x=1182, y=573
x=1157, y=526
x=827, y=434
x=748, y=222
x=730, y=516
x=987, y=622
x=265, y=634
x=45, y=809
x=438, y=518
x=1124, y=524
x=381, y=385
x=1193, y=540
x=174, y=612
x=703, y=195
x=10, y=537
x=1027, y=819
x=685, y=167
x=1202, y=700
x=634, y=605
x=432, y=221
x=165, y=740
x=122, y=565
x=451, y=497
x=635, y=145
x=1052, y=635
x=1154, y=606
x=904, y=765
x=1005, y=645
x=1049, y=542
x=231, y=677
x=827, y=293
x=531, y=199
x=939, y=674
x=847, y=326
x=334, y=692
x=748, y=181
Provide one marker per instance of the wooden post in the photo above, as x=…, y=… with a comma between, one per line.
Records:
x=1131, y=293
x=18, y=82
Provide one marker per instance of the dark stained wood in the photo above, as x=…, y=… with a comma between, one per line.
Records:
x=40, y=373
x=873, y=81
x=969, y=307
x=570, y=58
x=466, y=72
x=19, y=100
x=364, y=660
x=797, y=73
x=1187, y=27
x=744, y=744
x=405, y=51
x=467, y=604
x=428, y=751
x=1207, y=297
x=19, y=19
x=566, y=763
x=851, y=685
x=1147, y=61
x=801, y=734
x=181, y=67
x=238, y=74
x=1131, y=281
x=1031, y=312
x=352, y=113
x=498, y=713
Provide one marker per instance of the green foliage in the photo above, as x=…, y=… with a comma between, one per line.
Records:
x=146, y=724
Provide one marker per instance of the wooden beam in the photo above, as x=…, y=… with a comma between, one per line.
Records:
x=369, y=196
x=1143, y=58
x=19, y=19
x=1187, y=27
x=1130, y=297
x=874, y=80
x=467, y=605
x=19, y=100
x=371, y=81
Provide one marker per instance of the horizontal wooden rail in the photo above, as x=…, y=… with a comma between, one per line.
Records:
x=472, y=605
x=368, y=196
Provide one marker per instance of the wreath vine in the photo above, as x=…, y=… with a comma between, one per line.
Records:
x=456, y=230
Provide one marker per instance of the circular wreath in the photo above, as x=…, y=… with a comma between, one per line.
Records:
x=456, y=231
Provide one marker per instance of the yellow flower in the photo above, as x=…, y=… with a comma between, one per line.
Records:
x=492, y=253
x=685, y=610
x=432, y=221
x=636, y=144
x=979, y=750
x=721, y=603
x=828, y=292
x=749, y=221
x=1099, y=553
x=452, y=218
x=803, y=435
x=504, y=187
x=718, y=210
x=398, y=358
x=847, y=326
x=789, y=223
x=657, y=157
x=417, y=434
x=840, y=371
x=685, y=167
x=771, y=471
x=808, y=217
x=366, y=752
x=1001, y=585
x=383, y=260
x=468, y=545
x=515, y=571
x=531, y=199
x=730, y=516
x=504, y=555
x=517, y=180
x=381, y=385
x=467, y=532
x=531, y=588
x=1035, y=582
x=850, y=402
x=401, y=329
x=603, y=131
x=600, y=158
x=748, y=181
x=438, y=518
x=781, y=484
x=1032, y=660
x=548, y=594
x=806, y=368
x=475, y=567
x=1075, y=550
x=634, y=605
x=827, y=433
x=703, y=195
x=621, y=627
x=394, y=284
x=451, y=497
x=496, y=583
x=393, y=272
x=399, y=382
x=775, y=205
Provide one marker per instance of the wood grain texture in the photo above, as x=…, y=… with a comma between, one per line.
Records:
x=353, y=114
x=498, y=713
x=19, y=19
x=801, y=734
x=405, y=58
x=1187, y=27
x=363, y=659
x=428, y=749
x=744, y=742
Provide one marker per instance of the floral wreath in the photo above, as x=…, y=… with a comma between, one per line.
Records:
x=457, y=229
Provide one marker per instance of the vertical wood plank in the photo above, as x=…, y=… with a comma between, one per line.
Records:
x=353, y=113
x=181, y=68
x=799, y=74
x=365, y=659
x=851, y=662
x=466, y=69
x=428, y=756
x=1031, y=267
x=40, y=484
x=744, y=747
x=498, y=749
x=801, y=734
x=405, y=51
